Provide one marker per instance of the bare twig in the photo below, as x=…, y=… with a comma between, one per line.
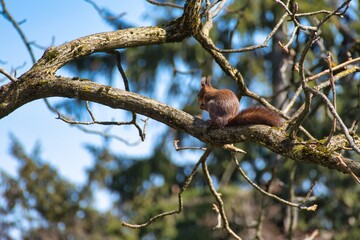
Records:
x=8, y=75
x=177, y=148
x=180, y=200
x=336, y=115
x=326, y=83
x=220, y=202
x=101, y=11
x=156, y=217
x=291, y=213
x=28, y=44
x=254, y=47
x=293, y=34
x=219, y=221
x=93, y=121
x=232, y=148
x=89, y=111
x=293, y=100
x=244, y=49
x=336, y=12
x=308, y=195
x=164, y=4
x=300, y=205
x=107, y=135
x=293, y=17
x=41, y=47
x=8, y=16
x=337, y=67
x=312, y=13
x=332, y=84
x=127, y=88
x=298, y=117
x=348, y=169
x=218, y=8
x=208, y=20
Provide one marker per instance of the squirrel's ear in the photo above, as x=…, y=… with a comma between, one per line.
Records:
x=206, y=81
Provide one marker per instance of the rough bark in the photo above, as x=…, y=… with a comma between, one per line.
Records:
x=14, y=96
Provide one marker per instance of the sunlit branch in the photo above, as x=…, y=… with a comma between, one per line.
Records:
x=337, y=67
x=326, y=83
x=307, y=14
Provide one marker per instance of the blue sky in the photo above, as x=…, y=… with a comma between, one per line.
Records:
x=61, y=144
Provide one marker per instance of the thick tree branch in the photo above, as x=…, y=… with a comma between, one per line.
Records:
x=14, y=95
x=175, y=31
x=56, y=57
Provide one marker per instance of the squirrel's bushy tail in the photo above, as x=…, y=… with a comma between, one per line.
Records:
x=256, y=115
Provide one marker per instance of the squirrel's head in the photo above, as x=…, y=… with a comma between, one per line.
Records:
x=205, y=86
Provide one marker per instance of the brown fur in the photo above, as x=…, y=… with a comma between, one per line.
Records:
x=223, y=105
x=256, y=115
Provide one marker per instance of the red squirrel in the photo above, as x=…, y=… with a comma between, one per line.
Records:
x=223, y=108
